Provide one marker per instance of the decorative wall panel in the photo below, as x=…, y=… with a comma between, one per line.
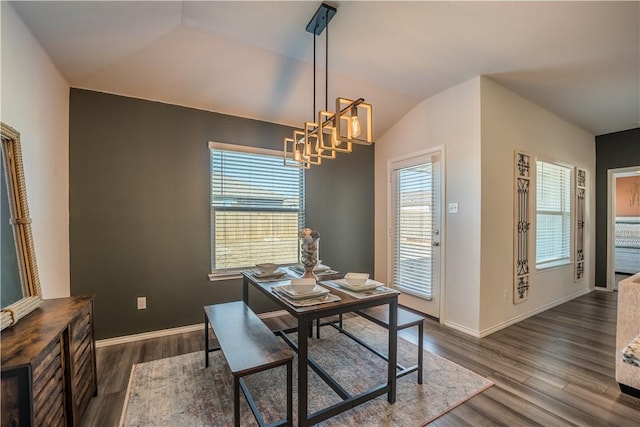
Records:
x=522, y=225
x=581, y=189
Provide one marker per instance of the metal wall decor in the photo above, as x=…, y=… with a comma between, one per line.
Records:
x=522, y=225
x=581, y=189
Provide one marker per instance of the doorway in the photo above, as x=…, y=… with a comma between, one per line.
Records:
x=623, y=224
x=415, y=230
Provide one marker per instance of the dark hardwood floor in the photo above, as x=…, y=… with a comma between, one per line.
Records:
x=553, y=369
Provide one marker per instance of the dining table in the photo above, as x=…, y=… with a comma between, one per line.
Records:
x=338, y=302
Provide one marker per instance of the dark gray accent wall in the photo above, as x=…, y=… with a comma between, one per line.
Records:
x=340, y=206
x=139, y=209
x=613, y=150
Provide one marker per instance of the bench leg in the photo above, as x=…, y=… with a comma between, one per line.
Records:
x=236, y=401
x=206, y=341
x=420, y=350
x=290, y=393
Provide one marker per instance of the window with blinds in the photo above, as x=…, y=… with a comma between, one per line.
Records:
x=414, y=223
x=553, y=215
x=257, y=208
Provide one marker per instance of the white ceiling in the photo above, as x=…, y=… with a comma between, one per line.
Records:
x=579, y=60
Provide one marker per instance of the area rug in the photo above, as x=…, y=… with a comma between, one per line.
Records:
x=180, y=391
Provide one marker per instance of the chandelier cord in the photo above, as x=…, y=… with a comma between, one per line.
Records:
x=313, y=110
x=326, y=62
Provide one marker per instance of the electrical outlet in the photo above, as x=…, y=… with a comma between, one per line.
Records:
x=453, y=208
x=142, y=303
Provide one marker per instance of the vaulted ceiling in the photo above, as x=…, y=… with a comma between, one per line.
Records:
x=579, y=60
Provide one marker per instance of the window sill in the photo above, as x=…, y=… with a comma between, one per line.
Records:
x=220, y=277
x=554, y=266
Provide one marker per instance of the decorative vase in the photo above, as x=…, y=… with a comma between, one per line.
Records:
x=309, y=241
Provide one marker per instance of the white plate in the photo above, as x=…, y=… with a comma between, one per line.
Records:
x=368, y=285
x=292, y=293
x=267, y=274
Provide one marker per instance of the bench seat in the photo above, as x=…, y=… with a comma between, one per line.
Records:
x=249, y=347
x=406, y=319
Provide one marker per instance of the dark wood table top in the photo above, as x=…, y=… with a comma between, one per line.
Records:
x=346, y=301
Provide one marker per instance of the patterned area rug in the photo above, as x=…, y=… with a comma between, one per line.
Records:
x=179, y=391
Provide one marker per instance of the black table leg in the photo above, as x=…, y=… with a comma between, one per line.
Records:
x=236, y=401
x=303, y=362
x=393, y=350
x=206, y=341
x=245, y=290
x=290, y=393
x=420, y=350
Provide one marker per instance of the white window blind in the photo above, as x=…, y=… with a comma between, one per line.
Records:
x=553, y=214
x=257, y=208
x=414, y=208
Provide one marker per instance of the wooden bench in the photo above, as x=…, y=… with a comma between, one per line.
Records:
x=406, y=319
x=249, y=347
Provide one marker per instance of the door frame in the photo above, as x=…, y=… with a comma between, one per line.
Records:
x=440, y=150
x=612, y=174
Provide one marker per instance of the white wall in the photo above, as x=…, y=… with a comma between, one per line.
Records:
x=35, y=101
x=481, y=124
x=510, y=122
x=450, y=119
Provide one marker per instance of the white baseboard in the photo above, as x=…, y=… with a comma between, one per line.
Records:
x=461, y=328
x=165, y=332
x=499, y=326
x=532, y=313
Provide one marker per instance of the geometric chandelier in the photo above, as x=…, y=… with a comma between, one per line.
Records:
x=328, y=133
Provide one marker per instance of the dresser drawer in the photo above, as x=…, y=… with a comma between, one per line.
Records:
x=48, y=387
x=82, y=354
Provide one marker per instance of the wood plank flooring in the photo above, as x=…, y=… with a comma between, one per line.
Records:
x=553, y=369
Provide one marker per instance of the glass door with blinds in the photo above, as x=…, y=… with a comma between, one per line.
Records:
x=415, y=231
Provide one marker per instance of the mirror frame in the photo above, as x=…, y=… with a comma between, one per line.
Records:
x=21, y=225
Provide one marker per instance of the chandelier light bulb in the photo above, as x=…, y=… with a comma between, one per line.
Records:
x=334, y=137
x=355, y=126
x=354, y=123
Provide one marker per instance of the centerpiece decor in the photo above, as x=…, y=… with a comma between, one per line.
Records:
x=309, y=250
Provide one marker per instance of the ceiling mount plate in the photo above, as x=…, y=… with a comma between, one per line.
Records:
x=321, y=19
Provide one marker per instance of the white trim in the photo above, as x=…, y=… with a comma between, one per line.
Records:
x=612, y=174
x=165, y=332
x=461, y=328
x=513, y=321
x=219, y=277
x=244, y=149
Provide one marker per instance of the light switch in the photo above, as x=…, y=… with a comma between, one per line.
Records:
x=453, y=208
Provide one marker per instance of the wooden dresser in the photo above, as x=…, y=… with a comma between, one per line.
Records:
x=49, y=365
